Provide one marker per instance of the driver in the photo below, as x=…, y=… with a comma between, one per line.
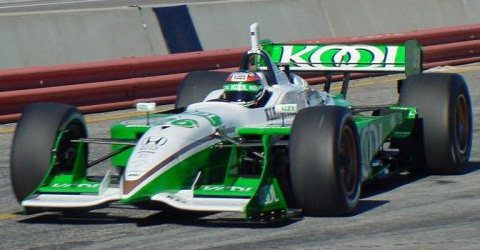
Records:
x=245, y=88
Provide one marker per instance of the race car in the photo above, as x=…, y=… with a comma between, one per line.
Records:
x=259, y=141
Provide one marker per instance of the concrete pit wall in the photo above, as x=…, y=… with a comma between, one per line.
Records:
x=284, y=20
x=65, y=37
x=353, y=17
x=225, y=25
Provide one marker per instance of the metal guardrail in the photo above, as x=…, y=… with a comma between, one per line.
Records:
x=118, y=84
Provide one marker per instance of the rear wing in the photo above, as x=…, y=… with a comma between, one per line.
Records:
x=329, y=59
x=347, y=58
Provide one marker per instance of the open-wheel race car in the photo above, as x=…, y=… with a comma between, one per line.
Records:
x=258, y=141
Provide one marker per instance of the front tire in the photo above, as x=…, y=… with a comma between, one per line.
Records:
x=325, y=161
x=33, y=142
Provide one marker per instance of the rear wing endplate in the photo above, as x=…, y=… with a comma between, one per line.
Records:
x=347, y=58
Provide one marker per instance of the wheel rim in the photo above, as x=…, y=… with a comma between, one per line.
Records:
x=67, y=150
x=348, y=161
x=462, y=123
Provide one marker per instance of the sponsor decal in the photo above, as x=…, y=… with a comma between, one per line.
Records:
x=345, y=56
x=371, y=139
x=272, y=114
x=239, y=77
x=371, y=136
x=243, y=77
x=176, y=198
x=229, y=188
x=242, y=87
x=286, y=108
x=75, y=185
x=151, y=144
x=267, y=195
x=185, y=123
x=155, y=140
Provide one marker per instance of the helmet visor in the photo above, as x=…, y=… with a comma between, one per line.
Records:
x=240, y=96
x=242, y=92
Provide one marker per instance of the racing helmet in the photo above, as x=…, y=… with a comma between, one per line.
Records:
x=244, y=88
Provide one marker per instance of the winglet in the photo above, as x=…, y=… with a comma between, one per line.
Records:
x=413, y=57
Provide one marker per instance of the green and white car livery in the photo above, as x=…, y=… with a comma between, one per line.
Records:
x=304, y=149
x=348, y=57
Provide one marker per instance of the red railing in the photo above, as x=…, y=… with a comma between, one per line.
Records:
x=118, y=84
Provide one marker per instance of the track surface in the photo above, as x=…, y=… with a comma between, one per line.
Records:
x=404, y=212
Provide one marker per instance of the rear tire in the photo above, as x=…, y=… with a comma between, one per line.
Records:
x=197, y=85
x=444, y=125
x=325, y=161
x=33, y=142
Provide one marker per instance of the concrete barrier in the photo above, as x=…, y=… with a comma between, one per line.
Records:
x=65, y=37
x=381, y=16
x=222, y=25
x=425, y=37
x=225, y=25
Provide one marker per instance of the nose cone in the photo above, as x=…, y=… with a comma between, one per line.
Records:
x=164, y=145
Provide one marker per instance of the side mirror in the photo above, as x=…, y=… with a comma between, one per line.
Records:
x=146, y=107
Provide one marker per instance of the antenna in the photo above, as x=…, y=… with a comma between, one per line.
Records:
x=254, y=38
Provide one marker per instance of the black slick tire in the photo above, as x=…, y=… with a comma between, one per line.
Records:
x=33, y=142
x=444, y=125
x=197, y=85
x=325, y=164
